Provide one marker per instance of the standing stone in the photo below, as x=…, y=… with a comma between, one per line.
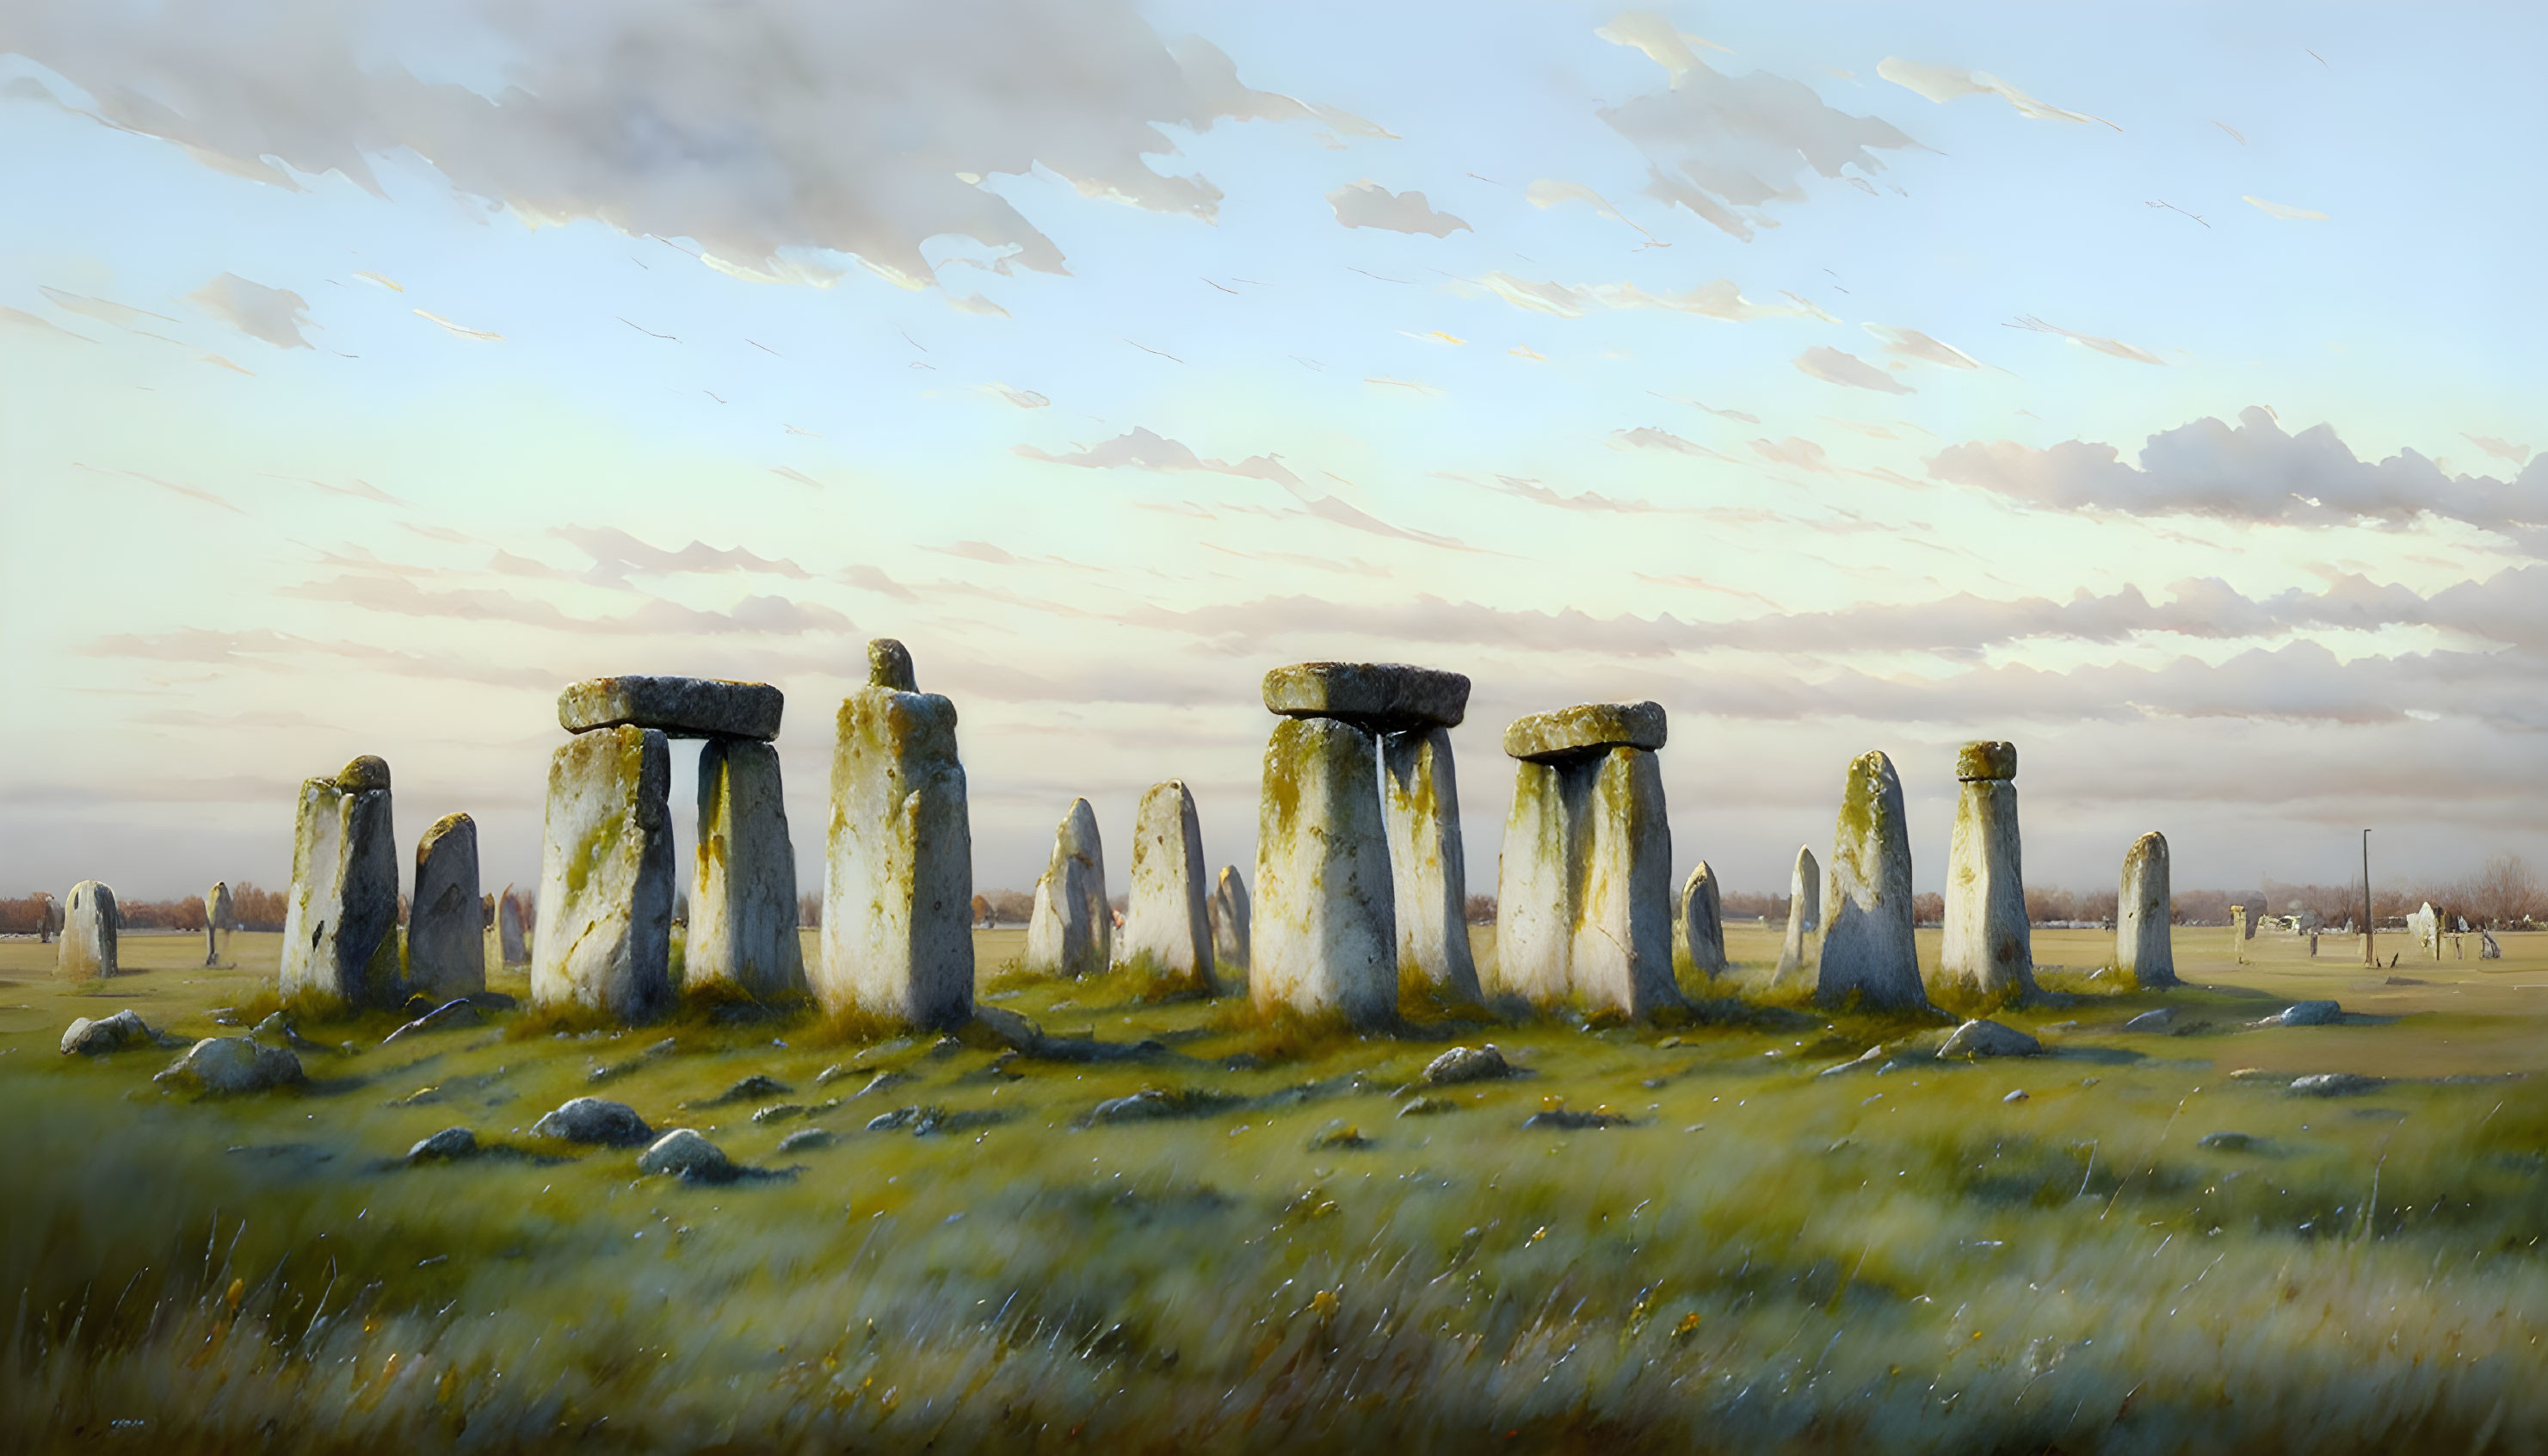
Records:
x=1622, y=952
x=743, y=895
x=2488, y=947
x=1869, y=952
x=1986, y=953
x=1071, y=929
x=2144, y=911
x=900, y=872
x=1702, y=920
x=1325, y=926
x=48, y=918
x=341, y=923
x=1804, y=914
x=1536, y=889
x=1165, y=920
x=1584, y=889
x=607, y=877
x=1228, y=911
x=2238, y=934
x=221, y=916
x=89, y=925
x=1427, y=865
x=446, y=929
x=511, y=927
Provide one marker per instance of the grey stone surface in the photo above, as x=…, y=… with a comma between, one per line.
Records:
x=1427, y=863
x=1164, y=919
x=1702, y=920
x=1988, y=1039
x=107, y=1033
x=48, y=918
x=1584, y=728
x=2143, y=910
x=807, y=1139
x=676, y=708
x=89, y=949
x=1867, y=951
x=2488, y=947
x=447, y=1145
x=1986, y=951
x=1804, y=917
x=221, y=917
x=513, y=929
x=607, y=877
x=221, y=1066
x=1325, y=925
x=1468, y=1065
x=340, y=922
x=2335, y=1084
x=683, y=1152
x=742, y=935
x=890, y=666
x=2311, y=1013
x=1070, y=932
x=1584, y=890
x=898, y=885
x=592, y=1120
x=1383, y=697
x=446, y=924
x=1229, y=909
x=1536, y=888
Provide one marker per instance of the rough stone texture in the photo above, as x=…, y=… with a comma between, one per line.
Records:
x=898, y=886
x=1163, y=917
x=2335, y=1084
x=1867, y=947
x=1989, y=1038
x=1702, y=920
x=2425, y=923
x=1468, y=1065
x=89, y=925
x=1071, y=929
x=221, y=916
x=1584, y=727
x=107, y=1033
x=1804, y=914
x=591, y=1119
x=1229, y=910
x=676, y=708
x=607, y=877
x=1419, y=800
x=2311, y=1013
x=220, y=1066
x=890, y=666
x=513, y=929
x=1986, y=952
x=1535, y=888
x=447, y=926
x=48, y=918
x=444, y=1146
x=743, y=895
x=1326, y=929
x=2143, y=910
x=2488, y=947
x=683, y=1153
x=1583, y=891
x=1383, y=697
x=341, y=923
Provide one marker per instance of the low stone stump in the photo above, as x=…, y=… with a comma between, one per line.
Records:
x=341, y=923
x=1986, y=952
x=1165, y=922
x=607, y=877
x=1071, y=929
x=742, y=893
x=1702, y=920
x=447, y=926
x=1325, y=933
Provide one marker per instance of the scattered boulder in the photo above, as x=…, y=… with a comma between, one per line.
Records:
x=2160, y=1020
x=458, y=1011
x=683, y=1153
x=780, y=1111
x=1984, y=1038
x=2334, y=1084
x=443, y=1146
x=591, y=1119
x=1468, y=1065
x=2226, y=1142
x=917, y=1121
x=806, y=1140
x=1016, y=1031
x=751, y=1089
x=885, y=1081
x=223, y=1067
x=124, y=1029
x=2311, y=1014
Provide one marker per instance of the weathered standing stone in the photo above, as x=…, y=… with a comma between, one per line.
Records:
x=89, y=927
x=1164, y=921
x=1536, y=886
x=513, y=928
x=1986, y=952
x=1071, y=929
x=446, y=930
x=1702, y=920
x=1867, y=947
x=607, y=877
x=221, y=916
x=1379, y=698
x=1567, y=733
x=1622, y=952
x=897, y=940
x=1427, y=865
x=2143, y=910
x=676, y=708
x=1229, y=925
x=48, y=918
x=1326, y=928
x=743, y=896
x=1804, y=914
x=341, y=923
x=1584, y=889
x=2488, y=947
x=2238, y=934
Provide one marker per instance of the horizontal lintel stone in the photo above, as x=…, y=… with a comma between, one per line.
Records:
x=1566, y=732
x=676, y=708
x=1385, y=697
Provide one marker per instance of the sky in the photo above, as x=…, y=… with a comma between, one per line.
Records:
x=2154, y=387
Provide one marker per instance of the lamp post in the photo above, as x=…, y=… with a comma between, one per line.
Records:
x=2370, y=951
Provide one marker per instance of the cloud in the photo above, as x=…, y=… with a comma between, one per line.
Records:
x=617, y=555
x=1725, y=146
x=2278, y=210
x=1718, y=300
x=791, y=473
x=107, y=311
x=1911, y=343
x=260, y=647
x=1141, y=449
x=773, y=615
x=2252, y=471
x=1795, y=453
x=1545, y=193
x=274, y=314
x=1531, y=489
x=2500, y=449
x=1647, y=438
x=1022, y=398
x=2100, y=344
x=1832, y=366
x=770, y=133
x=1367, y=204
x=873, y=579
x=24, y=320
x=1942, y=84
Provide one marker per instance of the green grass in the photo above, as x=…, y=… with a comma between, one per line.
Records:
x=1765, y=1260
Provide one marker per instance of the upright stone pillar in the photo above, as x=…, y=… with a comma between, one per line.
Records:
x=221, y=917
x=88, y=930
x=512, y=938
x=1070, y=932
x=742, y=893
x=447, y=926
x=1428, y=864
x=1986, y=952
x=898, y=885
x=1702, y=920
x=2238, y=934
x=1229, y=910
x=1165, y=923
x=1583, y=899
x=341, y=925
x=2143, y=910
x=607, y=877
x=48, y=918
x=1326, y=928
x=1804, y=917
x=1869, y=952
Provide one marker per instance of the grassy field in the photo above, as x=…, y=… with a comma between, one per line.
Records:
x=1760, y=1259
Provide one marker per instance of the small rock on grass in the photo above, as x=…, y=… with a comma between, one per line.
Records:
x=886, y=1083
x=779, y=1111
x=449, y=1143
x=1338, y=1134
x=107, y=1033
x=1984, y=1038
x=1467, y=1064
x=2226, y=1141
x=591, y=1119
x=2311, y=1014
x=806, y=1140
x=683, y=1153
x=750, y=1089
x=2016, y=1095
x=225, y=1065
x=2334, y=1084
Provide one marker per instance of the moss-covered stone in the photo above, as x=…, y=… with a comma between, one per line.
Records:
x=607, y=877
x=342, y=907
x=88, y=949
x=743, y=888
x=1164, y=918
x=1702, y=920
x=1986, y=954
x=1797, y=952
x=1868, y=957
x=898, y=878
x=1325, y=914
x=1071, y=929
x=2143, y=910
x=446, y=940
x=1427, y=863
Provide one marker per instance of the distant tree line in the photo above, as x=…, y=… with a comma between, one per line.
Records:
x=257, y=910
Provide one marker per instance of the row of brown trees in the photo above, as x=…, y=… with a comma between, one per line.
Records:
x=258, y=909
